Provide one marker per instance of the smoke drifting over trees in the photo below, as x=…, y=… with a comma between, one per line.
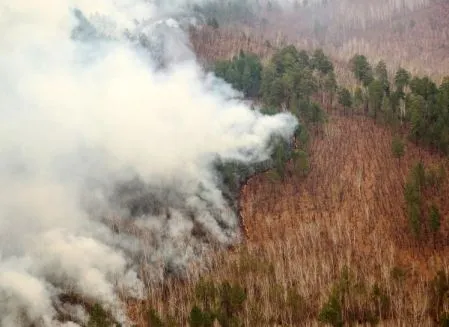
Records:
x=109, y=134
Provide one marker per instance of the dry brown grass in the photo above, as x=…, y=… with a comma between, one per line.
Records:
x=349, y=211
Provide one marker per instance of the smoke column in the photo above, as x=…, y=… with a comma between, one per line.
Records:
x=109, y=131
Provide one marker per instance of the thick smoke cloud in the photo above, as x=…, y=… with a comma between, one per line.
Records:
x=109, y=131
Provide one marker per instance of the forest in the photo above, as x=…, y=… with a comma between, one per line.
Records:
x=292, y=77
x=399, y=122
x=225, y=163
x=347, y=224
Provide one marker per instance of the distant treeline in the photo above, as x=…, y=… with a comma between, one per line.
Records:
x=236, y=11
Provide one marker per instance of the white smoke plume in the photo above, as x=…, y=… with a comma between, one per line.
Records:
x=108, y=134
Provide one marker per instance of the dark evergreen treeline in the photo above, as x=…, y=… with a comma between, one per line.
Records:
x=243, y=72
x=403, y=98
x=421, y=192
x=294, y=81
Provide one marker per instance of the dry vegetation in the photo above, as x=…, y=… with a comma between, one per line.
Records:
x=349, y=212
x=224, y=43
x=301, y=233
x=418, y=40
x=411, y=34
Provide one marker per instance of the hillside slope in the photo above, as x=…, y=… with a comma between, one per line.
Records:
x=341, y=234
x=413, y=34
x=355, y=186
x=301, y=234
